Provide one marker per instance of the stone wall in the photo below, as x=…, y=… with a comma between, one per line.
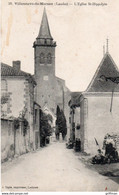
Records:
x=16, y=91
x=13, y=142
x=20, y=93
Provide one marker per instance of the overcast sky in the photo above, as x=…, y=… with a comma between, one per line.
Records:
x=80, y=32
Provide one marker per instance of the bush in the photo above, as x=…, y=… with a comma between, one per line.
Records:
x=45, y=127
x=25, y=126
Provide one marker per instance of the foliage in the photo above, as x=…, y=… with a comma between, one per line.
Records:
x=112, y=138
x=49, y=118
x=25, y=126
x=64, y=125
x=45, y=129
x=23, y=112
x=4, y=99
x=61, y=126
x=58, y=120
x=16, y=124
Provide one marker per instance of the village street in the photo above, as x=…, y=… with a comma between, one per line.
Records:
x=53, y=168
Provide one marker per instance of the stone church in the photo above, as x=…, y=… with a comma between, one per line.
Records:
x=50, y=90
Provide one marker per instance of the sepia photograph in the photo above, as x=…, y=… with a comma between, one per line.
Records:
x=60, y=96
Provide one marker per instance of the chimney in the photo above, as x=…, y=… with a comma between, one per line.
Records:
x=17, y=65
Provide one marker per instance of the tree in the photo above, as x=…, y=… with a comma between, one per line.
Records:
x=58, y=121
x=45, y=127
x=61, y=126
x=64, y=125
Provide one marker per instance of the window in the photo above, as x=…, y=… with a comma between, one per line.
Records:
x=49, y=59
x=42, y=58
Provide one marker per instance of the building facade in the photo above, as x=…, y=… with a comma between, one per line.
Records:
x=99, y=113
x=17, y=97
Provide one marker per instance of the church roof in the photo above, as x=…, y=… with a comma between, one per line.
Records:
x=7, y=70
x=44, y=32
x=106, y=68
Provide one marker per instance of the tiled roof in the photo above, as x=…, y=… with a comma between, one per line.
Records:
x=7, y=70
x=107, y=68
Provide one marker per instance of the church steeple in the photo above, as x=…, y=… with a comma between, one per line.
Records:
x=44, y=66
x=44, y=32
x=44, y=37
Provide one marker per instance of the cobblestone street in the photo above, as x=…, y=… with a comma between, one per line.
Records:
x=53, y=168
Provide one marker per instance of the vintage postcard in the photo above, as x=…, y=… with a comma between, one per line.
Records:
x=60, y=96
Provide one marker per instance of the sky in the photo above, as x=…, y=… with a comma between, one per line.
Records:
x=79, y=31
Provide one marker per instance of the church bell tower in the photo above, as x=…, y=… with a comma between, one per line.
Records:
x=44, y=70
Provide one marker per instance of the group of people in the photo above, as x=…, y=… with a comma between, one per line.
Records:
x=69, y=144
x=111, y=154
x=76, y=144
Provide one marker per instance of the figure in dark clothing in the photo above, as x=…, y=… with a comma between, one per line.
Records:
x=108, y=148
x=77, y=146
x=69, y=145
x=99, y=158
